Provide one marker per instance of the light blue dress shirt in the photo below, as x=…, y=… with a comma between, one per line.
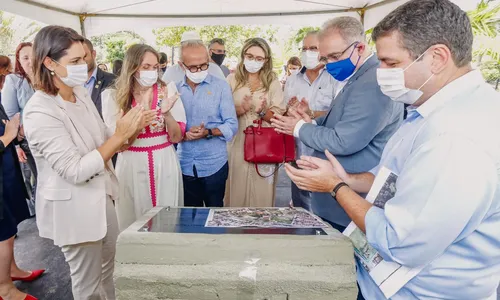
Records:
x=445, y=216
x=90, y=83
x=212, y=104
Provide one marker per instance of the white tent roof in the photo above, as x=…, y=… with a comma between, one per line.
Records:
x=94, y=17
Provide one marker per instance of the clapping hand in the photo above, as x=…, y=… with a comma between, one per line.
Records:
x=12, y=127
x=168, y=103
x=195, y=133
x=262, y=106
x=246, y=103
x=303, y=106
x=131, y=122
x=317, y=175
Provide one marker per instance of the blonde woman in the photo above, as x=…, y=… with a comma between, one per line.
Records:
x=257, y=94
x=148, y=169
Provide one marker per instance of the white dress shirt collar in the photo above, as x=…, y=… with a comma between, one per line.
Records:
x=449, y=91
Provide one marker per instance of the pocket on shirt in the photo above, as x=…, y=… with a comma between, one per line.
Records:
x=56, y=194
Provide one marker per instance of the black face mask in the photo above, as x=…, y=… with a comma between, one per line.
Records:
x=218, y=58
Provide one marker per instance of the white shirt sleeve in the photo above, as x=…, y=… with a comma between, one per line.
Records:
x=110, y=110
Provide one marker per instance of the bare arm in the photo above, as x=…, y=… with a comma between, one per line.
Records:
x=174, y=130
x=361, y=182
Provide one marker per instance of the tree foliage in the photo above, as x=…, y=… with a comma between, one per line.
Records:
x=10, y=37
x=233, y=35
x=6, y=33
x=485, y=21
x=301, y=33
x=112, y=46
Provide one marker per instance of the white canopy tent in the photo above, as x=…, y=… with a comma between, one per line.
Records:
x=94, y=17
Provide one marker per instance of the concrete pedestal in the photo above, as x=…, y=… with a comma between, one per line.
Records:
x=193, y=266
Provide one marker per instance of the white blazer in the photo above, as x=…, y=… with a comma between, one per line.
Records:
x=71, y=192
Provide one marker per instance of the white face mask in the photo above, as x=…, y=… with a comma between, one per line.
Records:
x=294, y=72
x=253, y=66
x=197, y=77
x=310, y=59
x=392, y=84
x=77, y=75
x=147, y=78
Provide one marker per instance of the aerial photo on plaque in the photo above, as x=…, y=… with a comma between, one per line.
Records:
x=263, y=217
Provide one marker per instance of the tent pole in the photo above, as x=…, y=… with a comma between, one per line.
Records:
x=82, y=24
x=361, y=13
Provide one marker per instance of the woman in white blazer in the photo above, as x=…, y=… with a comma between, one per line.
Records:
x=72, y=150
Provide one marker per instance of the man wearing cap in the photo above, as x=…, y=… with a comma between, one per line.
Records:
x=176, y=73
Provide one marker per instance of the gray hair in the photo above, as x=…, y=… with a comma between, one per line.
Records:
x=310, y=33
x=424, y=23
x=216, y=41
x=191, y=44
x=349, y=28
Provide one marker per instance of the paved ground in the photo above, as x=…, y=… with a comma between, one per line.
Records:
x=33, y=252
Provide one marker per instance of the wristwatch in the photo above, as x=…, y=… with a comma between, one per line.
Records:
x=337, y=188
x=210, y=134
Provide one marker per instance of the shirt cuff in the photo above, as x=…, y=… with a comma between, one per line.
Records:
x=296, y=130
x=375, y=223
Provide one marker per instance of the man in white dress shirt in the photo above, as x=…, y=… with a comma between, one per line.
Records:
x=444, y=218
x=312, y=89
x=177, y=73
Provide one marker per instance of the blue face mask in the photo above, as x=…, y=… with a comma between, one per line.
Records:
x=342, y=69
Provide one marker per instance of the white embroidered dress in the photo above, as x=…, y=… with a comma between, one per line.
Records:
x=148, y=172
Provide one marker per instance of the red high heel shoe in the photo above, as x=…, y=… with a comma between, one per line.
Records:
x=28, y=297
x=34, y=276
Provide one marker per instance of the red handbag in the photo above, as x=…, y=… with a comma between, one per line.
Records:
x=263, y=145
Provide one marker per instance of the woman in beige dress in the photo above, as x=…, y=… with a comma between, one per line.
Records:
x=257, y=94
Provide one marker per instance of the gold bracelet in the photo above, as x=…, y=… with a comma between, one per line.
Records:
x=311, y=114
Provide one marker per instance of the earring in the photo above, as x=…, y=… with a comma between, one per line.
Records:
x=52, y=73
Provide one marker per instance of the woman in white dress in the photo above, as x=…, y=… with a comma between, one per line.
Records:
x=148, y=169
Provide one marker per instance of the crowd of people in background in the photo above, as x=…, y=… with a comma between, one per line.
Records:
x=97, y=150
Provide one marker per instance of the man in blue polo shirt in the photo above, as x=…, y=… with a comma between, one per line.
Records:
x=211, y=123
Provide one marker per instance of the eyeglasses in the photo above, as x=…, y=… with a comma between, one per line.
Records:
x=335, y=56
x=194, y=69
x=218, y=51
x=256, y=58
x=313, y=49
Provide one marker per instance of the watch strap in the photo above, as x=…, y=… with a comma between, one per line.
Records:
x=338, y=187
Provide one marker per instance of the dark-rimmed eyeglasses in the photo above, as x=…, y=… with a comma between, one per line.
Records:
x=198, y=68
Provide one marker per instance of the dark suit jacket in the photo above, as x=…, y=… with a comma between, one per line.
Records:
x=359, y=123
x=21, y=208
x=102, y=82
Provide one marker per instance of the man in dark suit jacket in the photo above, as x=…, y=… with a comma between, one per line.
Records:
x=98, y=79
x=361, y=118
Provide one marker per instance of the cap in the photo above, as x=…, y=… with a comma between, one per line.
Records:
x=190, y=36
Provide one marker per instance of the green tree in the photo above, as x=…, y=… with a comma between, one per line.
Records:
x=113, y=46
x=6, y=34
x=485, y=21
x=233, y=35
x=10, y=37
x=301, y=33
x=115, y=50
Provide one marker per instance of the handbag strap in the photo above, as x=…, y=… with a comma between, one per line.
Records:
x=267, y=176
